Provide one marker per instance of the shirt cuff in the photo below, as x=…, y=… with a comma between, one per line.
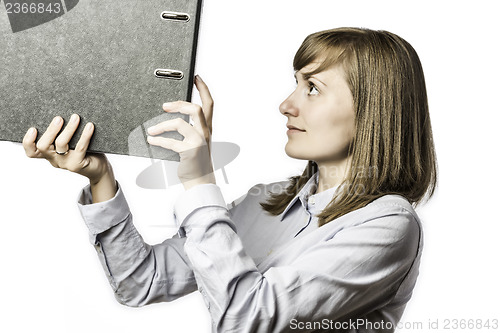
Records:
x=204, y=195
x=101, y=216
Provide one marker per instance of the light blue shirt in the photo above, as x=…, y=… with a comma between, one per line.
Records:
x=264, y=273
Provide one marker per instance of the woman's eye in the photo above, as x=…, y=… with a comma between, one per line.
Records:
x=312, y=90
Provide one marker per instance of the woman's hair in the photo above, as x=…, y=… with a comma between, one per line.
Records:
x=392, y=150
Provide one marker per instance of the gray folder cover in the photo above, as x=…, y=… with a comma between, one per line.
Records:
x=97, y=58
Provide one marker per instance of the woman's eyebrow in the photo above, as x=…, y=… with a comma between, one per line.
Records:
x=316, y=78
x=307, y=77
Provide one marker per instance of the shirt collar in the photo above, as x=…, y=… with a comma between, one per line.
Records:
x=303, y=195
x=322, y=199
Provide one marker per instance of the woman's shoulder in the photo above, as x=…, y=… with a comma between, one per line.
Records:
x=392, y=200
x=392, y=204
x=391, y=212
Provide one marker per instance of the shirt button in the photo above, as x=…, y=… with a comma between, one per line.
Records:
x=312, y=201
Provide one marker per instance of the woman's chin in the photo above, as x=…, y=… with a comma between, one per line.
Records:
x=296, y=153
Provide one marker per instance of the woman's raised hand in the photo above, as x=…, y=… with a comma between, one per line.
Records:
x=195, y=163
x=54, y=147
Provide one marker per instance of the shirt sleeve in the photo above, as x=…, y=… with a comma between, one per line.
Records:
x=138, y=272
x=345, y=276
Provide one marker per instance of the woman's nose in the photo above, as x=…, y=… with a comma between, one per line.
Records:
x=288, y=107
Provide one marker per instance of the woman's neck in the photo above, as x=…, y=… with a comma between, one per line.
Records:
x=332, y=173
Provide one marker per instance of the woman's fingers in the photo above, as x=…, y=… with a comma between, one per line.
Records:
x=93, y=166
x=50, y=142
x=44, y=145
x=179, y=125
x=167, y=143
x=83, y=144
x=201, y=115
x=192, y=110
x=206, y=101
x=29, y=144
x=62, y=141
x=194, y=150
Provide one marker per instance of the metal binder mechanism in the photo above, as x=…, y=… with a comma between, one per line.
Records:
x=169, y=74
x=183, y=17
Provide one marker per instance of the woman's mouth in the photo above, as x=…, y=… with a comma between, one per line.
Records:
x=292, y=129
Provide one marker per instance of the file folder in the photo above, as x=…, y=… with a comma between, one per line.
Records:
x=113, y=62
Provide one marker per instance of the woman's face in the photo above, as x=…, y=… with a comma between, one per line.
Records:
x=320, y=116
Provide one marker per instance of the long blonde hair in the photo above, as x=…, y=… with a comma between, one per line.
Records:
x=393, y=150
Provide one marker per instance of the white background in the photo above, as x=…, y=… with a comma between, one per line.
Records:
x=51, y=279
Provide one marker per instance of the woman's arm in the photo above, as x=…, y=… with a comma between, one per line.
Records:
x=105, y=187
x=353, y=274
x=138, y=273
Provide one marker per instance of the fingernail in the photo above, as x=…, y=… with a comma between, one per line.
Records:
x=148, y=138
x=197, y=77
x=166, y=105
x=31, y=131
x=150, y=129
x=57, y=120
x=73, y=118
x=88, y=127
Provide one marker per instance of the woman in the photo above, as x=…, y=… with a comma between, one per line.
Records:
x=336, y=248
